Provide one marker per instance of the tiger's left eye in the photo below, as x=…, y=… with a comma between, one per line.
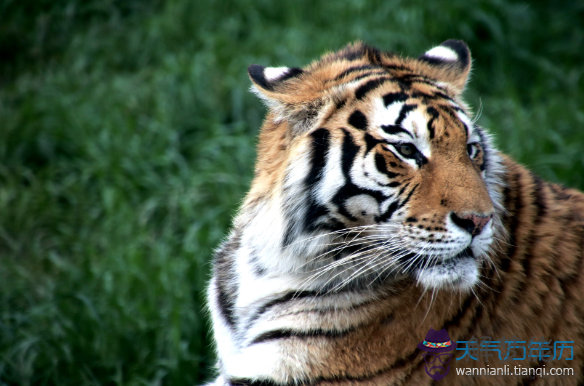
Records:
x=472, y=149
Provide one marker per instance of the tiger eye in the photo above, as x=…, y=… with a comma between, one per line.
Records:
x=472, y=149
x=407, y=149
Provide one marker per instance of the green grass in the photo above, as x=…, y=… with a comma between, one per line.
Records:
x=127, y=142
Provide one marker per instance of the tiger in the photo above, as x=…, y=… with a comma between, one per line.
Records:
x=380, y=210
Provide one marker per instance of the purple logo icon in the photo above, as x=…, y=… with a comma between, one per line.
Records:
x=439, y=350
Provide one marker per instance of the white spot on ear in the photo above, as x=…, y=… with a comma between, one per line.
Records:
x=272, y=73
x=443, y=53
x=442, y=85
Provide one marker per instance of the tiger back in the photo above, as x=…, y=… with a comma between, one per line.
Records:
x=378, y=211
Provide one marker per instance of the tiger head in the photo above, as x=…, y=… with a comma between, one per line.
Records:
x=370, y=169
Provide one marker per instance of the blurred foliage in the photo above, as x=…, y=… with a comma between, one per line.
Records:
x=35, y=32
x=127, y=142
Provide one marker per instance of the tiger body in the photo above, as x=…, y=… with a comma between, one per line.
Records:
x=379, y=210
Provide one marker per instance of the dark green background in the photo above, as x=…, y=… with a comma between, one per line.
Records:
x=127, y=141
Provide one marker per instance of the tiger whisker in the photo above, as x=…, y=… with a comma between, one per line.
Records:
x=370, y=267
x=353, y=258
x=365, y=258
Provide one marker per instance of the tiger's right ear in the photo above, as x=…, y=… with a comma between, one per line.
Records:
x=288, y=98
x=450, y=62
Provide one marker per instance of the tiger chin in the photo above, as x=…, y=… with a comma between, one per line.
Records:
x=379, y=211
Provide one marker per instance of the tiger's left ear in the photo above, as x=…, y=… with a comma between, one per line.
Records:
x=286, y=95
x=268, y=79
x=450, y=63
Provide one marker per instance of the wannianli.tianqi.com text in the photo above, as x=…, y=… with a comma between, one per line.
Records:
x=515, y=371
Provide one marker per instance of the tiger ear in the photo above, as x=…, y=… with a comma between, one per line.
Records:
x=288, y=99
x=450, y=62
x=268, y=79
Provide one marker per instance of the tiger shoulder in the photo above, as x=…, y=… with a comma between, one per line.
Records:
x=384, y=238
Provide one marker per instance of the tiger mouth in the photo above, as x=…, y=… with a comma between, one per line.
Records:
x=459, y=271
x=431, y=261
x=465, y=254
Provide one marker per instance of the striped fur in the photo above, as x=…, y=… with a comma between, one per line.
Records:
x=380, y=210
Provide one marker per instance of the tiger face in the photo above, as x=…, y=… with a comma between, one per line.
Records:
x=374, y=169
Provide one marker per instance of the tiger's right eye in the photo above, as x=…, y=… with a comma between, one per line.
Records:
x=406, y=149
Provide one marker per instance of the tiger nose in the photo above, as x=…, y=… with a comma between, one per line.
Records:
x=472, y=223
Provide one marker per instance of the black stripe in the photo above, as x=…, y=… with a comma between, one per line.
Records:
x=408, y=197
x=404, y=112
x=456, y=320
x=539, y=201
x=466, y=130
x=282, y=299
x=382, y=166
x=513, y=219
x=369, y=86
x=285, y=333
x=358, y=120
x=394, y=97
x=505, y=260
x=367, y=75
x=434, y=113
x=434, y=96
x=373, y=54
x=256, y=73
x=407, y=79
x=486, y=152
x=296, y=295
x=516, y=215
x=349, y=189
x=292, y=73
x=402, y=189
x=388, y=213
x=350, y=70
x=349, y=153
x=449, y=110
x=396, y=67
x=394, y=129
x=352, y=53
x=254, y=382
x=226, y=304
x=254, y=261
x=371, y=142
x=288, y=234
x=320, y=149
x=223, y=271
x=530, y=240
x=314, y=214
